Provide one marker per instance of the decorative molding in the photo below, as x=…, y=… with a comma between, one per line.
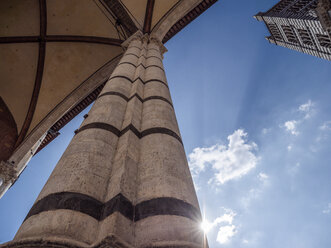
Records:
x=53, y=132
x=121, y=16
x=188, y=18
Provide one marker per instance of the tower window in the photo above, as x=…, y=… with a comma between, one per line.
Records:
x=290, y=35
x=305, y=37
x=281, y=6
x=324, y=40
x=297, y=7
x=275, y=31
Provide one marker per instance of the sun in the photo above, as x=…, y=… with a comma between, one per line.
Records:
x=205, y=226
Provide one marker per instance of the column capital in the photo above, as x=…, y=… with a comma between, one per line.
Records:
x=156, y=41
x=144, y=38
x=136, y=36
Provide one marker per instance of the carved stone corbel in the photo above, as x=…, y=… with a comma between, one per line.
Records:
x=8, y=173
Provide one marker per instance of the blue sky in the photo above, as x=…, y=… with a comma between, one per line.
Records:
x=255, y=119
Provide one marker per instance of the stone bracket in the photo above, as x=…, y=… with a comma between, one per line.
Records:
x=8, y=174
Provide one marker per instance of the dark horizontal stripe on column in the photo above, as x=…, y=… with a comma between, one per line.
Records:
x=100, y=125
x=133, y=129
x=156, y=80
x=144, y=82
x=158, y=98
x=135, y=47
x=114, y=93
x=144, y=56
x=165, y=206
x=161, y=130
x=88, y=205
x=131, y=54
x=124, y=77
x=118, y=133
x=68, y=200
x=152, y=56
x=153, y=49
x=145, y=67
x=136, y=95
x=118, y=203
x=153, y=66
x=127, y=63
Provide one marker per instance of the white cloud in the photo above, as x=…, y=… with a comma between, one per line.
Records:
x=245, y=241
x=230, y=162
x=252, y=238
x=264, y=178
x=307, y=109
x=225, y=233
x=291, y=126
x=289, y=147
x=226, y=228
x=227, y=217
x=327, y=210
x=326, y=126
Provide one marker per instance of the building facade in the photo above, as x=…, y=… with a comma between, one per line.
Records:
x=301, y=25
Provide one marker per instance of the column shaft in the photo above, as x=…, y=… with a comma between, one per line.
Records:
x=124, y=180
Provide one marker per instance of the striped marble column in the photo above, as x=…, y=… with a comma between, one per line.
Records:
x=123, y=181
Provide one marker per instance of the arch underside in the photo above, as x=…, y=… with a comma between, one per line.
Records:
x=57, y=55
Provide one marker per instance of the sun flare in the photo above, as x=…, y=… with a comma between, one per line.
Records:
x=205, y=225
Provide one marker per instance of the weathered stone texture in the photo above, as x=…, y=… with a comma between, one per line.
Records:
x=123, y=180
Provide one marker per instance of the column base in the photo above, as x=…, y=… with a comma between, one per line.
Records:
x=109, y=242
